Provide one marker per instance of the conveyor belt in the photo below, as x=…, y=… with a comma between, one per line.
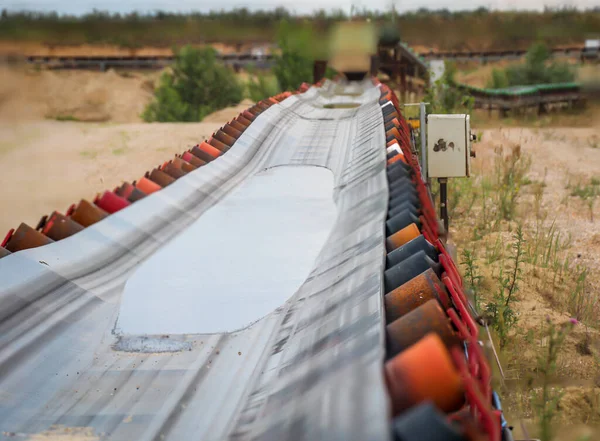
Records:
x=310, y=369
x=237, y=292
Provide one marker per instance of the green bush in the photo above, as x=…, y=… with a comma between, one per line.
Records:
x=261, y=86
x=198, y=84
x=445, y=97
x=294, y=65
x=537, y=69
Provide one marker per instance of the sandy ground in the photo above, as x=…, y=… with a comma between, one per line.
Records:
x=28, y=95
x=48, y=165
x=561, y=158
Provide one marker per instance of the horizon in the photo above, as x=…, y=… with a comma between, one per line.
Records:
x=87, y=7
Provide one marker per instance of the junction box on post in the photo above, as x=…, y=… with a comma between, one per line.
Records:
x=448, y=152
x=448, y=146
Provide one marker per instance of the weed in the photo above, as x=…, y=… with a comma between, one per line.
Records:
x=500, y=314
x=579, y=303
x=88, y=154
x=472, y=274
x=588, y=194
x=65, y=118
x=509, y=172
x=499, y=310
x=548, y=399
x=517, y=259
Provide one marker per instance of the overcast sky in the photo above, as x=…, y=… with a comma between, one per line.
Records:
x=299, y=6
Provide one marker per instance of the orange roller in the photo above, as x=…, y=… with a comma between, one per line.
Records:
x=411, y=327
x=424, y=372
x=398, y=157
x=26, y=237
x=393, y=132
x=147, y=186
x=401, y=237
x=207, y=148
x=414, y=293
x=86, y=213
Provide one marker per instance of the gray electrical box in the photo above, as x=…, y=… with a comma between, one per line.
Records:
x=448, y=146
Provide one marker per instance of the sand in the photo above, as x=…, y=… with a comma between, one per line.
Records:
x=28, y=95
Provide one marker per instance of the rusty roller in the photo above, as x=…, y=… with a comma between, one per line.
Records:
x=172, y=170
x=57, y=226
x=201, y=154
x=124, y=190
x=194, y=160
x=389, y=117
x=228, y=129
x=414, y=293
x=183, y=164
x=110, y=202
x=402, y=237
x=86, y=213
x=405, y=331
x=218, y=144
x=160, y=177
x=423, y=372
x=410, y=267
x=409, y=248
x=243, y=121
x=255, y=111
x=248, y=115
x=224, y=138
x=147, y=186
x=392, y=135
x=238, y=126
x=26, y=237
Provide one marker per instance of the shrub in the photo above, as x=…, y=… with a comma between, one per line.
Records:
x=196, y=86
x=537, y=69
x=445, y=97
x=294, y=65
x=261, y=86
